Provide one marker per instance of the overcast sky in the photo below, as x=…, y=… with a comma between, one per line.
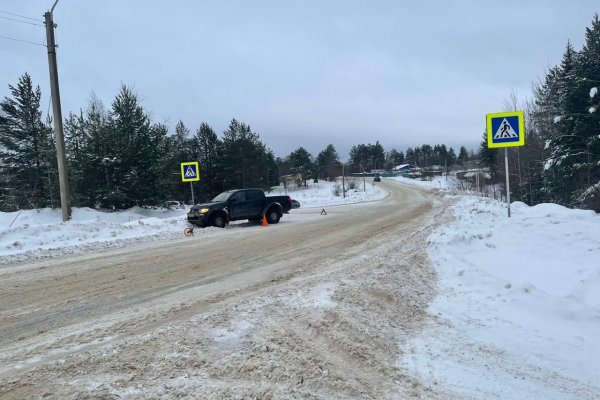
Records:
x=305, y=73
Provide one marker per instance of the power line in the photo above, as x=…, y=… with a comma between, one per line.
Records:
x=24, y=41
x=18, y=15
x=18, y=20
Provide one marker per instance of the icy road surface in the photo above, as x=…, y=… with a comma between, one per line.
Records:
x=314, y=307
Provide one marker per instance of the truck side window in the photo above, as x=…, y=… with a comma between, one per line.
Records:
x=254, y=195
x=238, y=197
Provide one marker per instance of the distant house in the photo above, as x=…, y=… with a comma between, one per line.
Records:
x=467, y=165
x=404, y=168
x=474, y=174
x=289, y=180
x=433, y=170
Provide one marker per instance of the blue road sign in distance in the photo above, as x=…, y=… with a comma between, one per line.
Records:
x=505, y=129
x=190, y=171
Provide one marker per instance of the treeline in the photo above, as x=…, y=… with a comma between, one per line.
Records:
x=560, y=162
x=119, y=158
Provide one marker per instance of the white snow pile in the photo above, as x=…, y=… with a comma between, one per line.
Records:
x=39, y=231
x=321, y=193
x=523, y=297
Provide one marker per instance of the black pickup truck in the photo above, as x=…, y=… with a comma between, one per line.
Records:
x=233, y=205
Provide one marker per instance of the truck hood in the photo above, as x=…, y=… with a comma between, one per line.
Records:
x=206, y=205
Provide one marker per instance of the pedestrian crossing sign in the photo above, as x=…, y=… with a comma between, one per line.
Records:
x=190, y=171
x=506, y=129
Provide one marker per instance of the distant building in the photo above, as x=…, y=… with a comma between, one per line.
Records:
x=474, y=174
x=404, y=168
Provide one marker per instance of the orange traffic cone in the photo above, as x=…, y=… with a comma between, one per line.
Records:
x=264, y=221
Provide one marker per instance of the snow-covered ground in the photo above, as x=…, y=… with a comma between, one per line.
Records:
x=517, y=314
x=526, y=286
x=41, y=233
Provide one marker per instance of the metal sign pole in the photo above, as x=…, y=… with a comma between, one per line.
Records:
x=190, y=172
x=505, y=129
x=192, y=189
x=507, y=181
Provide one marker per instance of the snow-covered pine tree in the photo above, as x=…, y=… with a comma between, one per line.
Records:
x=206, y=147
x=562, y=166
x=76, y=141
x=27, y=154
x=133, y=154
x=176, y=149
x=588, y=194
x=396, y=158
x=451, y=157
x=566, y=116
x=326, y=159
x=301, y=162
x=97, y=157
x=489, y=158
x=463, y=155
x=245, y=160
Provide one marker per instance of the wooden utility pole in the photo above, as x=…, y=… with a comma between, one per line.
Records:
x=63, y=177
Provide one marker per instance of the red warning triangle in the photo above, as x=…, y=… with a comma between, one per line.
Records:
x=323, y=212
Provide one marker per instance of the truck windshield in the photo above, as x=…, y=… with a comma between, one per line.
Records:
x=222, y=197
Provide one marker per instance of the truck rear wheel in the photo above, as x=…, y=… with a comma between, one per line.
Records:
x=273, y=216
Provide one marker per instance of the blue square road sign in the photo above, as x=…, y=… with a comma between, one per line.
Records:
x=505, y=129
x=190, y=171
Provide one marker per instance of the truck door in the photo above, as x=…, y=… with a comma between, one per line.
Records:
x=238, y=207
x=256, y=202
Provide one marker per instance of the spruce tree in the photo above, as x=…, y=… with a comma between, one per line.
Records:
x=396, y=158
x=245, y=160
x=134, y=151
x=489, y=158
x=76, y=141
x=365, y=157
x=27, y=154
x=326, y=160
x=301, y=162
x=176, y=149
x=463, y=155
x=205, y=149
x=588, y=194
x=451, y=157
x=410, y=156
x=98, y=156
x=563, y=168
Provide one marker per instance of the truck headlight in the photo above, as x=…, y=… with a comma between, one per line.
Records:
x=204, y=210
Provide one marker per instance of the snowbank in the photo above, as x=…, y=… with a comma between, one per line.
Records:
x=528, y=288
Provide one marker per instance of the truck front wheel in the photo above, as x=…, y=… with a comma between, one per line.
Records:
x=273, y=216
x=218, y=221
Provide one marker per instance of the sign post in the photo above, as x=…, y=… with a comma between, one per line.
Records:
x=506, y=129
x=190, y=172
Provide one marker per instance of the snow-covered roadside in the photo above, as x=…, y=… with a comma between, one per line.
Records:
x=321, y=193
x=518, y=307
x=518, y=310
x=41, y=233
x=524, y=293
